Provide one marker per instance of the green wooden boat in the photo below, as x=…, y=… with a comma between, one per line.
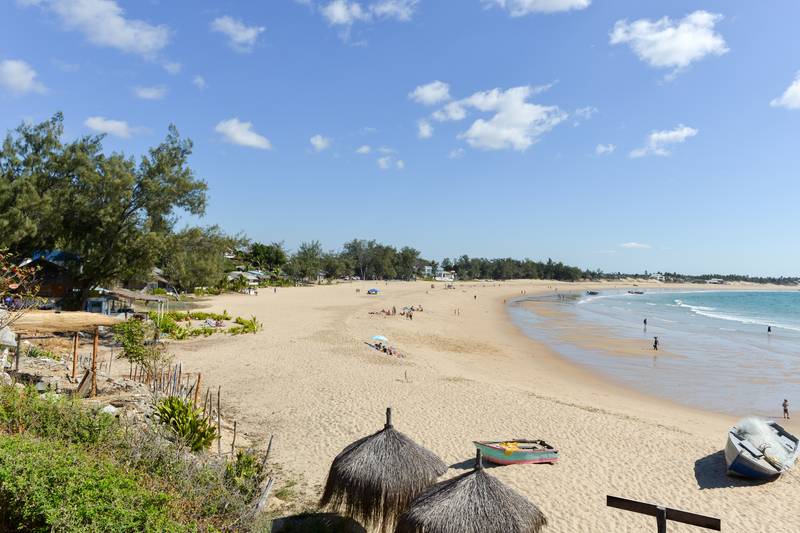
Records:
x=517, y=451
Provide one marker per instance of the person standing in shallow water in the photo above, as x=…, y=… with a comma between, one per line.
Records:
x=786, y=409
x=769, y=330
x=655, y=343
x=645, y=324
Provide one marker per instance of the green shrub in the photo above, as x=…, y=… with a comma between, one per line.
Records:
x=245, y=474
x=131, y=335
x=36, y=351
x=245, y=326
x=47, y=486
x=57, y=418
x=186, y=422
x=159, y=290
x=180, y=333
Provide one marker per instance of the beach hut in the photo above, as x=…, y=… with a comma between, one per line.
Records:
x=373, y=479
x=471, y=503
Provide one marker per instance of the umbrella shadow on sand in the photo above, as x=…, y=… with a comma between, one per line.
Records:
x=709, y=471
x=315, y=522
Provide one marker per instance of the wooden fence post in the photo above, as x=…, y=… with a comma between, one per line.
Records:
x=75, y=356
x=18, y=353
x=197, y=390
x=219, y=423
x=93, y=390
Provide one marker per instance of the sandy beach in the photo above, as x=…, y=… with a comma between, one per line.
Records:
x=468, y=374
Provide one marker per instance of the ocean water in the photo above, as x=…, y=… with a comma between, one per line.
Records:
x=720, y=356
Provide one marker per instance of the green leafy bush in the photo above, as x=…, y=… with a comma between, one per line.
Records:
x=24, y=411
x=245, y=326
x=186, y=422
x=131, y=335
x=47, y=486
x=36, y=351
x=245, y=473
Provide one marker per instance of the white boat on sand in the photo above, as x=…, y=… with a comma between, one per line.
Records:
x=760, y=449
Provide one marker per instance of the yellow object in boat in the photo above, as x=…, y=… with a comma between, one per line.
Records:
x=509, y=447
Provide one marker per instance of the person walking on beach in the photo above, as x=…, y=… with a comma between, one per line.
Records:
x=655, y=343
x=786, y=409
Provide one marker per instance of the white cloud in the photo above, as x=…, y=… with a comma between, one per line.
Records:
x=400, y=164
x=364, y=149
x=320, y=142
x=658, y=142
x=451, y=111
x=173, y=67
x=401, y=10
x=241, y=37
x=103, y=23
x=118, y=128
x=242, y=133
x=584, y=113
x=19, y=78
x=790, y=99
x=604, y=149
x=519, y=8
x=344, y=13
x=384, y=162
x=456, y=153
x=672, y=44
x=432, y=93
x=516, y=123
x=424, y=129
x=387, y=150
x=150, y=93
x=199, y=82
x=635, y=245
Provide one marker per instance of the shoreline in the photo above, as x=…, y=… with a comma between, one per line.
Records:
x=594, y=339
x=469, y=374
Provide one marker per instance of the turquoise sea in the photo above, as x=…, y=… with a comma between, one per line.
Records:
x=721, y=356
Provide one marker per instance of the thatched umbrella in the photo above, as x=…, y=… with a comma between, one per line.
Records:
x=471, y=503
x=374, y=479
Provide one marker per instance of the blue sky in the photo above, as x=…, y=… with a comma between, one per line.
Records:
x=624, y=135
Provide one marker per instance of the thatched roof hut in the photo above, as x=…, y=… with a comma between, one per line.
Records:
x=474, y=502
x=67, y=321
x=374, y=479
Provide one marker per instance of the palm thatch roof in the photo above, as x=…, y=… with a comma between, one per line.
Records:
x=373, y=479
x=471, y=503
x=65, y=321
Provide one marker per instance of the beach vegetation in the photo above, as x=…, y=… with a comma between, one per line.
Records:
x=131, y=335
x=47, y=486
x=187, y=423
x=53, y=417
x=243, y=325
x=39, y=352
x=68, y=467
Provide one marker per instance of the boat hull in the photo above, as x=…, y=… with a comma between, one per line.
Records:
x=744, y=460
x=497, y=455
